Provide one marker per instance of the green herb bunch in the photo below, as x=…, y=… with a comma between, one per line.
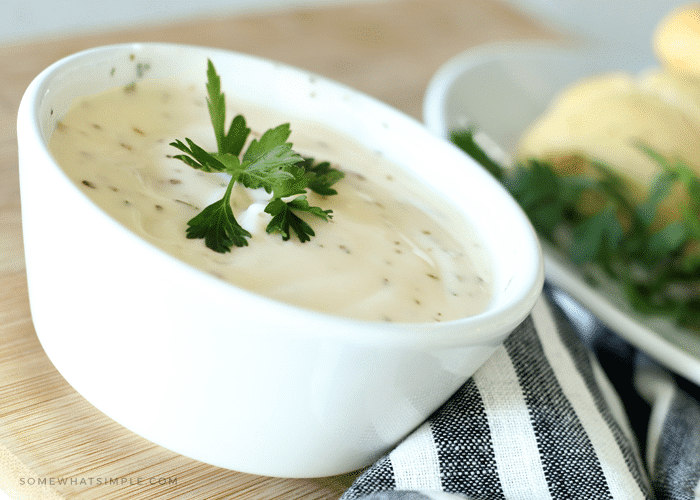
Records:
x=657, y=265
x=269, y=163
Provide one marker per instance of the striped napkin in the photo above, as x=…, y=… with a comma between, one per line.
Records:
x=563, y=410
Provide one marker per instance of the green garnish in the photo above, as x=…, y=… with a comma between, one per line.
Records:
x=269, y=163
x=657, y=265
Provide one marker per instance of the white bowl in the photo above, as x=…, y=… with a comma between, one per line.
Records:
x=221, y=374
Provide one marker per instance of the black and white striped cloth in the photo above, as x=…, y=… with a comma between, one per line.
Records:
x=563, y=410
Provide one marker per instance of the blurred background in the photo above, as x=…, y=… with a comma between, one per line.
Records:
x=619, y=21
x=22, y=19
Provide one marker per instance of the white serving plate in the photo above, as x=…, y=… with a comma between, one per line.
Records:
x=502, y=89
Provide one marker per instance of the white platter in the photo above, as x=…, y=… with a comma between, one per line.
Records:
x=502, y=89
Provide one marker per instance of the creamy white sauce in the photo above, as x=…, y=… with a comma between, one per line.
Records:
x=392, y=252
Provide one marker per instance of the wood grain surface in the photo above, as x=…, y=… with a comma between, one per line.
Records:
x=53, y=443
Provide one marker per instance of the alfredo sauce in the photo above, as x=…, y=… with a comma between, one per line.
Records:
x=391, y=252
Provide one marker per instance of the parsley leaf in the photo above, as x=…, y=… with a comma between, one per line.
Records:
x=658, y=267
x=267, y=170
x=268, y=163
x=599, y=234
x=292, y=183
x=216, y=102
x=321, y=176
x=464, y=139
x=236, y=137
x=284, y=218
x=667, y=240
x=217, y=225
x=197, y=157
x=233, y=140
x=271, y=139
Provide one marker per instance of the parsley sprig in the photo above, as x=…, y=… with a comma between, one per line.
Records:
x=268, y=163
x=657, y=265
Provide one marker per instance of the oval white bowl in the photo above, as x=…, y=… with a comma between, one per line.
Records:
x=221, y=374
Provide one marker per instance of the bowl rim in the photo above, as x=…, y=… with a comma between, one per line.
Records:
x=495, y=319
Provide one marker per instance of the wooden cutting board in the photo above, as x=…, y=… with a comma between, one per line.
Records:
x=53, y=443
